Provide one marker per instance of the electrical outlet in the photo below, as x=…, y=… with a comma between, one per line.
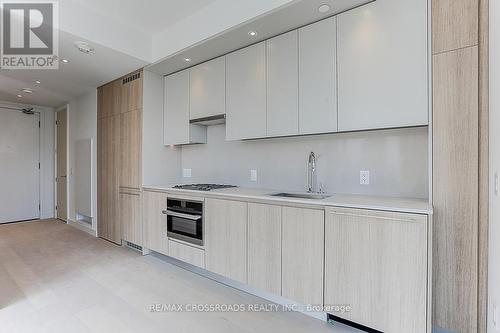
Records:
x=186, y=173
x=364, y=177
x=253, y=175
x=496, y=183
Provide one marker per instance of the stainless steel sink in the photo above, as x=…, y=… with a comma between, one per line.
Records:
x=312, y=196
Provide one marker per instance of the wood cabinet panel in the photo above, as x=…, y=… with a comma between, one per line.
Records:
x=303, y=255
x=154, y=222
x=264, y=247
x=455, y=189
x=318, y=77
x=132, y=92
x=226, y=238
x=246, y=93
x=108, y=178
x=131, y=149
x=130, y=216
x=454, y=24
x=376, y=262
x=186, y=253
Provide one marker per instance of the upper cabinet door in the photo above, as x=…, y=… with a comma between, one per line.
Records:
x=176, y=110
x=131, y=92
x=246, y=93
x=382, y=65
x=208, y=89
x=282, y=85
x=318, y=77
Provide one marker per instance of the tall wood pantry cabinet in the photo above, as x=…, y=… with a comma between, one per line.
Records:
x=119, y=159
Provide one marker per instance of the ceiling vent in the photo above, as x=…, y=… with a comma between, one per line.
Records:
x=131, y=78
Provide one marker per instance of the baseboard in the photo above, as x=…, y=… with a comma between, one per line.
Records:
x=83, y=227
x=243, y=287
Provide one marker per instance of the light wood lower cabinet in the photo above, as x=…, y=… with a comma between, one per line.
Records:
x=191, y=255
x=226, y=238
x=376, y=262
x=130, y=216
x=154, y=221
x=302, y=255
x=264, y=247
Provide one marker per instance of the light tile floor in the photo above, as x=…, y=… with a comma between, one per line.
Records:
x=55, y=278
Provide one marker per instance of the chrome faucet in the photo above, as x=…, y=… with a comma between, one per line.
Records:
x=311, y=173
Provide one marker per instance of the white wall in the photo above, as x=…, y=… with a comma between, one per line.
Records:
x=397, y=161
x=82, y=114
x=47, y=188
x=494, y=215
x=161, y=165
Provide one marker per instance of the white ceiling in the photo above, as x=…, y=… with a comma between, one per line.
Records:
x=151, y=15
x=82, y=75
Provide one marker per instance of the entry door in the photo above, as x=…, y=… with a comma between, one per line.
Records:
x=19, y=166
x=62, y=167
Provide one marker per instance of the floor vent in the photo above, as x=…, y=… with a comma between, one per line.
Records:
x=131, y=78
x=133, y=246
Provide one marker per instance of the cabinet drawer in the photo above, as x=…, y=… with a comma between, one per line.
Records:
x=186, y=253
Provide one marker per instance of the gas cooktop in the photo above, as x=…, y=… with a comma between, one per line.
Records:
x=202, y=187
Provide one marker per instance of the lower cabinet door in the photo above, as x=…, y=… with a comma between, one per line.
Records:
x=303, y=255
x=226, y=238
x=186, y=253
x=264, y=247
x=154, y=221
x=130, y=216
x=376, y=263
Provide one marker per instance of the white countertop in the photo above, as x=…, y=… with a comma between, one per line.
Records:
x=405, y=205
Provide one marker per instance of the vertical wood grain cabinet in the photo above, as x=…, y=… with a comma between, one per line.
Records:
x=303, y=255
x=376, y=262
x=226, y=238
x=119, y=159
x=264, y=247
x=155, y=223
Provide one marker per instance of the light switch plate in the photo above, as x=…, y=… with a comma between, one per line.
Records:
x=364, y=177
x=186, y=173
x=253, y=175
x=495, y=317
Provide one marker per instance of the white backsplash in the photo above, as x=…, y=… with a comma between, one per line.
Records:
x=396, y=159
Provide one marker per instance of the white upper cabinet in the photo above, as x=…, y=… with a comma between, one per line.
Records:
x=282, y=85
x=176, y=127
x=246, y=93
x=318, y=77
x=208, y=89
x=382, y=64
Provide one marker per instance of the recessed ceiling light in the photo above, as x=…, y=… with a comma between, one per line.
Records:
x=252, y=33
x=66, y=61
x=20, y=96
x=38, y=82
x=187, y=59
x=323, y=8
x=27, y=90
x=84, y=47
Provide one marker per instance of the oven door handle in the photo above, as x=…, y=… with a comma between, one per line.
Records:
x=181, y=215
